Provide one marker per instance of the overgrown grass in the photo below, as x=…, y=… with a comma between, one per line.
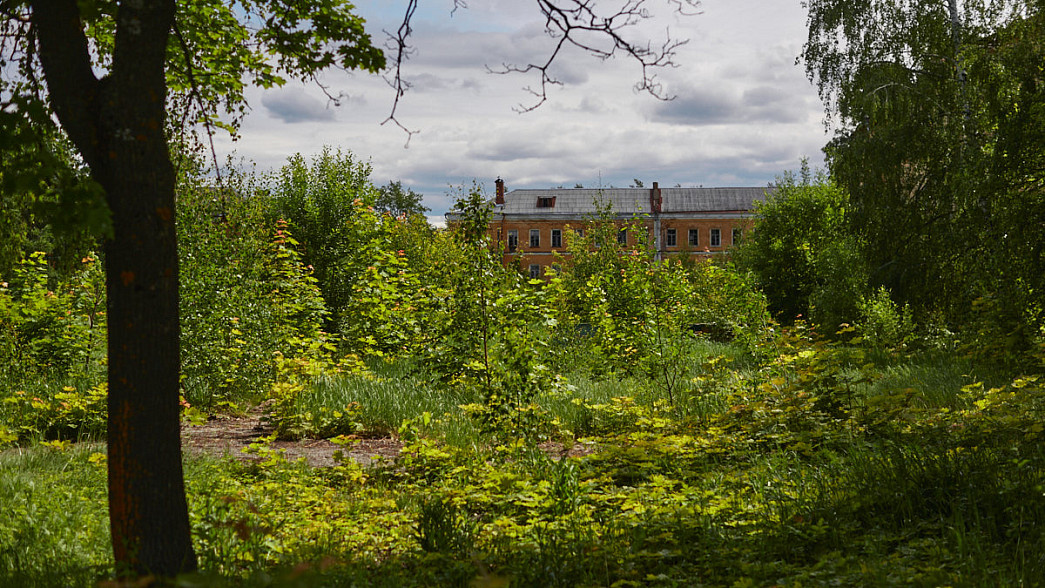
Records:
x=936, y=379
x=389, y=394
x=54, y=525
x=392, y=392
x=807, y=468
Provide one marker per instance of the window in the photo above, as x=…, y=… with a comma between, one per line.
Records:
x=738, y=234
x=546, y=202
x=535, y=271
x=622, y=236
x=671, y=238
x=694, y=237
x=556, y=237
x=535, y=238
x=513, y=240
x=716, y=237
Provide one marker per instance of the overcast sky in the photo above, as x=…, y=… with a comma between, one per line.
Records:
x=743, y=112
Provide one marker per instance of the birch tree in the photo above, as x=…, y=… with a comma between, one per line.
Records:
x=921, y=94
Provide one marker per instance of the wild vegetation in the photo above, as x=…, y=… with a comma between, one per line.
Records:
x=570, y=432
x=862, y=402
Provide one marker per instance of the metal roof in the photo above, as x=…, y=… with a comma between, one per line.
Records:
x=631, y=201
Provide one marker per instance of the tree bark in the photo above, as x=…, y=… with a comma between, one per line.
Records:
x=118, y=124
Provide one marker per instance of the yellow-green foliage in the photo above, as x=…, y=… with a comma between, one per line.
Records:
x=66, y=414
x=813, y=470
x=782, y=488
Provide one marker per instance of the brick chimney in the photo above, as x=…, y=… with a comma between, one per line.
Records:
x=500, y=191
x=655, y=199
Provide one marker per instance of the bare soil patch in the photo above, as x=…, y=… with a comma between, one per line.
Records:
x=226, y=435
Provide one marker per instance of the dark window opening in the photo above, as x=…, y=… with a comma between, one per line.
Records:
x=670, y=238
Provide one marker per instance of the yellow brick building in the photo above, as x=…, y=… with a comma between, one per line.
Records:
x=531, y=225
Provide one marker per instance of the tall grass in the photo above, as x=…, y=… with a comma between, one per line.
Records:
x=936, y=379
x=54, y=525
x=392, y=393
x=571, y=407
x=975, y=512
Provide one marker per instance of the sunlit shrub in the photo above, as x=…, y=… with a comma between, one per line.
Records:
x=882, y=323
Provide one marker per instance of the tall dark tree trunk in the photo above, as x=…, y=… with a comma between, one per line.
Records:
x=117, y=123
x=147, y=507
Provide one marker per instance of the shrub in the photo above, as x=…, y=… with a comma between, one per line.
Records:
x=882, y=323
x=803, y=253
x=45, y=332
x=329, y=204
x=245, y=296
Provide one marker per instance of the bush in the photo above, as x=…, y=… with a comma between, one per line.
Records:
x=53, y=412
x=246, y=295
x=882, y=323
x=45, y=332
x=803, y=253
x=329, y=203
x=725, y=297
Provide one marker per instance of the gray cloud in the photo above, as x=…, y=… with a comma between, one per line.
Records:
x=426, y=82
x=776, y=104
x=293, y=105
x=722, y=105
x=698, y=106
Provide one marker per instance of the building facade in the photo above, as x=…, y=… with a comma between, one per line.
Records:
x=532, y=226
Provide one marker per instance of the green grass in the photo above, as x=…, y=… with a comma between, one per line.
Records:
x=392, y=394
x=572, y=407
x=54, y=526
x=769, y=485
x=395, y=391
x=935, y=378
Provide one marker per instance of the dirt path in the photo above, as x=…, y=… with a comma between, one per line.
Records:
x=224, y=435
x=229, y=435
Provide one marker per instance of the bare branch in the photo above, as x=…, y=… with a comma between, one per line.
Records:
x=576, y=22
x=398, y=44
x=572, y=23
x=687, y=7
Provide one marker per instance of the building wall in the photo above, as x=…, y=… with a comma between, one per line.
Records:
x=542, y=256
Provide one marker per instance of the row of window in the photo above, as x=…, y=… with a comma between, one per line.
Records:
x=715, y=237
x=535, y=238
x=670, y=238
